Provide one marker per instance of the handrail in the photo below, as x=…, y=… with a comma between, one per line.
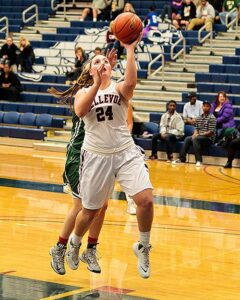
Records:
x=6, y=26
x=235, y=20
x=161, y=68
x=63, y=4
x=34, y=6
x=182, y=51
x=210, y=34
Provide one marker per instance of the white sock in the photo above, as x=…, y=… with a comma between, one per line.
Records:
x=144, y=238
x=76, y=240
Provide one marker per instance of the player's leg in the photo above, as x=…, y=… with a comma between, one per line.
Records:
x=96, y=185
x=58, y=251
x=133, y=176
x=71, y=179
x=89, y=255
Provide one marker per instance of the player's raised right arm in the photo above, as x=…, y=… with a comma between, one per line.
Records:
x=126, y=87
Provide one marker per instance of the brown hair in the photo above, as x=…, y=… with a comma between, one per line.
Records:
x=217, y=97
x=84, y=80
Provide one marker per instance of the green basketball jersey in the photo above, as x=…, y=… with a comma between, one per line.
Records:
x=77, y=133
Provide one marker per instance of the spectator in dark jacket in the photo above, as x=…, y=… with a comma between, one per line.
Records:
x=188, y=12
x=80, y=59
x=223, y=111
x=233, y=147
x=10, y=86
x=172, y=10
x=8, y=51
x=26, y=55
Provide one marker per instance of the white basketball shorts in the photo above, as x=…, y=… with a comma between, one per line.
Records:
x=98, y=173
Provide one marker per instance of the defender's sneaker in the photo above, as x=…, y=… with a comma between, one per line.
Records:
x=90, y=257
x=58, y=252
x=142, y=253
x=131, y=206
x=72, y=255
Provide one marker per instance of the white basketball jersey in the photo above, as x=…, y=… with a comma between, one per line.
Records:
x=106, y=128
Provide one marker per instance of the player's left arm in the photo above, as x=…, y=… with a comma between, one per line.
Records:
x=126, y=87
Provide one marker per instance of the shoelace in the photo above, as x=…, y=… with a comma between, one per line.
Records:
x=146, y=251
x=60, y=255
x=93, y=256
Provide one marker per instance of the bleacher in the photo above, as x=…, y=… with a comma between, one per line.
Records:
x=54, y=53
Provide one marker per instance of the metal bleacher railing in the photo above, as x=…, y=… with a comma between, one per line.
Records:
x=34, y=16
x=204, y=38
x=230, y=23
x=6, y=27
x=56, y=7
x=173, y=56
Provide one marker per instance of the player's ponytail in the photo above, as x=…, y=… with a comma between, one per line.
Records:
x=84, y=80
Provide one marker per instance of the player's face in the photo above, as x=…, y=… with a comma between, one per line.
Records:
x=99, y=60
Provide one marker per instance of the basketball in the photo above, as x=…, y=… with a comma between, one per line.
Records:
x=127, y=27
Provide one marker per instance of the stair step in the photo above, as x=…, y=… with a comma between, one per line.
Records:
x=38, y=29
x=29, y=36
x=191, y=58
x=224, y=43
x=174, y=66
x=54, y=24
x=149, y=105
x=196, y=50
x=229, y=36
x=69, y=18
x=162, y=95
x=151, y=84
x=173, y=76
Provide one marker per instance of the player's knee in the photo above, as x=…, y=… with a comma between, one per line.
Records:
x=144, y=199
x=90, y=214
x=147, y=203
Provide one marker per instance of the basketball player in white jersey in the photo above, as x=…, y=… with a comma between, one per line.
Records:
x=109, y=153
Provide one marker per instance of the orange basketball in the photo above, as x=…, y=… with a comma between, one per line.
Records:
x=127, y=27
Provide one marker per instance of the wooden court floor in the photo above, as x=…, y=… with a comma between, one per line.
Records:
x=195, y=236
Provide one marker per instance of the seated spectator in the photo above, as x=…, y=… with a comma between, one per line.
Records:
x=8, y=52
x=192, y=109
x=223, y=111
x=233, y=147
x=171, y=11
x=113, y=10
x=228, y=5
x=25, y=55
x=128, y=7
x=112, y=43
x=205, y=16
x=97, y=51
x=188, y=12
x=80, y=59
x=10, y=86
x=96, y=9
x=171, y=130
x=150, y=21
x=202, y=138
